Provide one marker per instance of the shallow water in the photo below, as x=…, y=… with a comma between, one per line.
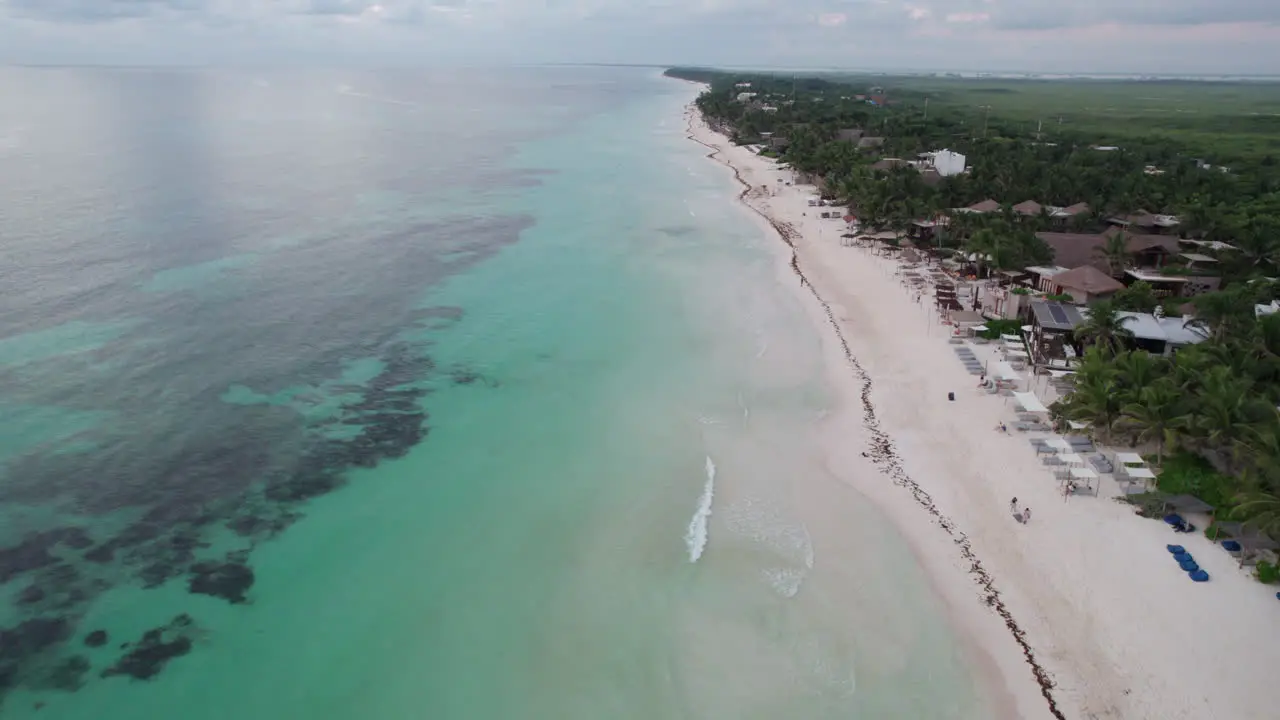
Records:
x=486, y=380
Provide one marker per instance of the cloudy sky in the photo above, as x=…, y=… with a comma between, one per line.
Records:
x=1150, y=36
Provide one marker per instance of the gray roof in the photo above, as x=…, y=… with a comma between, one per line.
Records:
x=1187, y=503
x=1056, y=316
x=1248, y=537
x=1168, y=329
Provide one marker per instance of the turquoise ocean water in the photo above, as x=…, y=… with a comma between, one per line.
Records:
x=420, y=396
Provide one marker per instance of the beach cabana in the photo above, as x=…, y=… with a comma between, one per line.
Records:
x=1058, y=444
x=1087, y=476
x=1140, y=473
x=1128, y=458
x=1251, y=541
x=1030, y=403
x=1005, y=371
x=1135, y=474
x=1187, y=504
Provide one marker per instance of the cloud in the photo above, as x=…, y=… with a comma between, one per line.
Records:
x=1043, y=15
x=97, y=11
x=968, y=17
x=875, y=34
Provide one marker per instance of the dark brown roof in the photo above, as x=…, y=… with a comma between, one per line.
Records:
x=985, y=206
x=851, y=134
x=931, y=177
x=1073, y=249
x=1029, y=207
x=1089, y=279
x=1138, y=243
x=1077, y=249
x=868, y=142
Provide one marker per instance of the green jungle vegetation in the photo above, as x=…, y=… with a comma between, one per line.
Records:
x=1206, y=152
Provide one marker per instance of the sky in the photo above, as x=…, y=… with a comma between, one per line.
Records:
x=1046, y=36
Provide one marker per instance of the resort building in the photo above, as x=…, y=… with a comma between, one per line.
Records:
x=983, y=207
x=946, y=162
x=1084, y=284
x=1143, y=222
x=1053, y=325
x=1028, y=208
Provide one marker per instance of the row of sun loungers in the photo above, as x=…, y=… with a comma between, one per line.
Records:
x=971, y=361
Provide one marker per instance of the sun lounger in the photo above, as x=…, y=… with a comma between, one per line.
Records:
x=1101, y=464
x=1052, y=460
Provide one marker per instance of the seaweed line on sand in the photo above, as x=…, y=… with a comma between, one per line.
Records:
x=882, y=451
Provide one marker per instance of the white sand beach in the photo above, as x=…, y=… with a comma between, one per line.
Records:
x=1085, y=593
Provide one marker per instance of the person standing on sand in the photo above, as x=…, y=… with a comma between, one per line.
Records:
x=1026, y=515
x=1013, y=505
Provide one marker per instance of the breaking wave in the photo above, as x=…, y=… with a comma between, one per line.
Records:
x=695, y=538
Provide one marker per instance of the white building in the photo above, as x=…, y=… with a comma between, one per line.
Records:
x=946, y=162
x=745, y=96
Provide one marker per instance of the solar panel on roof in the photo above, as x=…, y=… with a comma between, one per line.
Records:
x=1059, y=315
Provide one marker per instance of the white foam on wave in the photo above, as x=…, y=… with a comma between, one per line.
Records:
x=790, y=546
x=695, y=538
x=786, y=581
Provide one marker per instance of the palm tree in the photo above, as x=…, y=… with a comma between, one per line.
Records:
x=988, y=248
x=1224, y=414
x=1261, y=511
x=1138, y=369
x=1224, y=313
x=1104, y=328
x=1158, y=410
x=1115, y=253
x=1094, y=400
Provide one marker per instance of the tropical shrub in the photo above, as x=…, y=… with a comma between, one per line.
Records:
x=1266, y=572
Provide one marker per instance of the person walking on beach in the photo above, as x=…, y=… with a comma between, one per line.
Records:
x=1026, y=515
x=1013, y=505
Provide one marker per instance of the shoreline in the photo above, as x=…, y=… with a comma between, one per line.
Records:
x=884, y=459
x=1076, y=615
